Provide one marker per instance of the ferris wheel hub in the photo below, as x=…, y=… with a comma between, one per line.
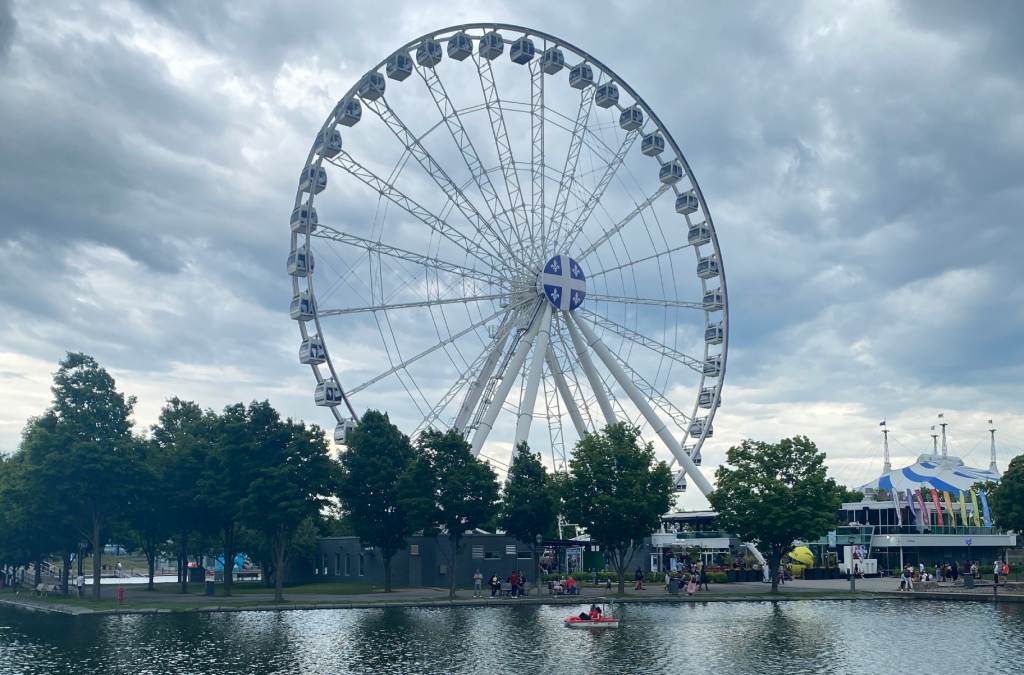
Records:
x=563, y=283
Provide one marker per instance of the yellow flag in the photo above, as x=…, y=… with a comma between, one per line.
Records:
x=949, y=508
x=963, y=510
x=976, y=515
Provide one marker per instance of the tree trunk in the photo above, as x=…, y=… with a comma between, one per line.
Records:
x=229, y=557
x=151, y=561
x=387, y=570
x=38, y=579
x=773, y=568
x=619, y=563
x=454, y=544
x=280, y=549
x=536, y=568
x=66, y=560
x=183, y=561
x=97, y=558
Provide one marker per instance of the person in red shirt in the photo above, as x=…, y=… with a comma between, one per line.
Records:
x=595, y=612
x=570, y=586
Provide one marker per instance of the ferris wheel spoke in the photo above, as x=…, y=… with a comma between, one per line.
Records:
x=647, y=301
x=596, y=383
x=385, y=189
x=506, y=159
x=617, y=227
x=572, y=158
x=562, y=388
x=412, y=144
x=568, y=371
x=528, y=401
x=426, y=352
x=691, y=362
x=452, y=119
x=537, y=153
x=408, y=305
x=595, y=197
x=376, y=247
x=630, y=263
x=644, y=407
x=487, y=361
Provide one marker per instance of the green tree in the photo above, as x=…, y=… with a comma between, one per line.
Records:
x=1006, y=499
x=775, y=493
x=149, y=521
x=464, y=490
x=290, y=485
x=617, y=491
x=372, y=466
x=94, y=427
x=183, y=439
x=848, y=495
x=529, y=507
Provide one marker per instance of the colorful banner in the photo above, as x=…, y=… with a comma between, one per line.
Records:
x=949, y=507
x=963, y=510
x=896, y=503
x=911, y=509
x=925, y=520
x=938, y=508
x=975, y=512
x=985, y=513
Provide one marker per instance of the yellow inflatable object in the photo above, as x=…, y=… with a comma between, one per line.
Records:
x=802, y=555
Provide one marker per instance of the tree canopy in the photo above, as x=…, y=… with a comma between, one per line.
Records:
x=617, y=491
x=775, y=493
x=529, y=506
x=1007, y=498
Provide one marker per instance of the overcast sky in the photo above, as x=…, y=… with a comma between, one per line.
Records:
x=863, y=163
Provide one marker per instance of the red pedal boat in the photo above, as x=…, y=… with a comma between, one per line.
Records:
x=600, y=622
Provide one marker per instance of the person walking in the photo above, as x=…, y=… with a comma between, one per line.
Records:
x=997, y=567
x=478, y=583
x=80, y=584
x=639, y=577
x=703, y=579
x=495, y=584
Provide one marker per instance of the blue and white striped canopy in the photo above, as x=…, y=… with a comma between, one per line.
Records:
x=941, y=473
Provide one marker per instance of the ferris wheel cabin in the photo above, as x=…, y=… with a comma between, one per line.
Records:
x=343, y=430
x=552, y=60
x=686, y=203
x=652, y=144
x=631, y=118
x=606, y=95
x=670, y=173
x=707, y=396
x=349, y=112
x=371, y=87
x=522, y=50
x=304, y=217
x=312, y=351
x=693, y=452
x=399, y=66
x=697, y=427
x=313, y=179
x=429, y=53
x=707, y=268
x=301, y=307
x=714, y=334
x=460, y=46
x=679, y=481
x=698, y=235
x=714, y=300
x=713, y=366
x=327, y=393
x=581, y=76
x=328, y=143
x=491, y=45
x=300, y=262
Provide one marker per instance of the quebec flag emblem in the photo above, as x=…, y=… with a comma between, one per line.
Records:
x=564, y=283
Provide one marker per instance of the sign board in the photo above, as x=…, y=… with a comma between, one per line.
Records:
x=967, y=541
x=832, y=539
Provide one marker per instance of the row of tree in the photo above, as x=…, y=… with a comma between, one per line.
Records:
x=199, y=482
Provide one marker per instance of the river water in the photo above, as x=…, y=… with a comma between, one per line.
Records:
x=875, y=637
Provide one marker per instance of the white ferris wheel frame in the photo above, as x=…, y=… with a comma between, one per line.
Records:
x=584, y=340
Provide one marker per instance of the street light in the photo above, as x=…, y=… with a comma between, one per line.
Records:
x=536, y=561
x=849, y=565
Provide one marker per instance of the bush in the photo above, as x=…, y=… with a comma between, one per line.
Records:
x=716, y=577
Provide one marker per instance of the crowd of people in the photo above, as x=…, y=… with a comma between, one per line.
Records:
x=516, y=584
x=949, y=572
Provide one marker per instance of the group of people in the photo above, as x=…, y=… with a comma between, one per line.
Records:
x=948, y=572
x=593, y=615
x=691, y=576
x=564, y=585
x=516, y=582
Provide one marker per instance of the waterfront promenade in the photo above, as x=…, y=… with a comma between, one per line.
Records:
x=167, y=599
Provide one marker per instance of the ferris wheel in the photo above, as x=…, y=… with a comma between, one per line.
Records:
x=508, y=241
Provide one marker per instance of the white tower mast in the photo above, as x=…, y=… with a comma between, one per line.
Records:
x=935, y=442
x=943, y=425
x=886, y=465
x=992, y=460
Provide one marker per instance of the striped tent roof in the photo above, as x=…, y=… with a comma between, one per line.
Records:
x=941, y=473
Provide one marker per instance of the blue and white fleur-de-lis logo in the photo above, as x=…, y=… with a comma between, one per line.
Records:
x=564, y=291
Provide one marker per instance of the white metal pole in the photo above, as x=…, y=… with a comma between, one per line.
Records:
x=588, y=368
x=645, y=409
x=477, y=388
x=529, y=399
x=514, y=366
x=563, y=390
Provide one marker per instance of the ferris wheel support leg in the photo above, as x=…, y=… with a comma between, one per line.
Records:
x=645, y=409
x=514, y=366
x=588, y=368
x=533, y=379
x=563, y=391
x=477, y=388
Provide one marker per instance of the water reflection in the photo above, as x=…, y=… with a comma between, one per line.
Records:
x=762, y=637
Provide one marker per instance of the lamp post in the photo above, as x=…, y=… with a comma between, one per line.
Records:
x=849, y=565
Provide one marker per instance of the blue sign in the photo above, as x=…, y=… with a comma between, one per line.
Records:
x=967, y=541
x=564, y=283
